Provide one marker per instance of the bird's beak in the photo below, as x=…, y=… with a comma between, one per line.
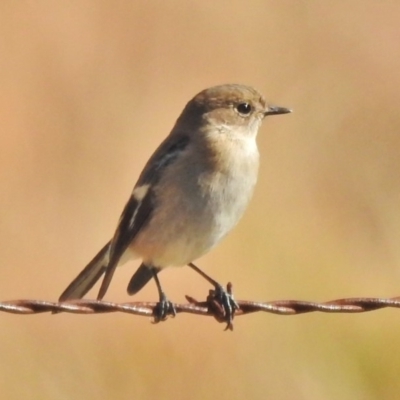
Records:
x=275, y=110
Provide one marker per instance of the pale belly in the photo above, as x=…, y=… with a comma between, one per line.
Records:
x=191, y=225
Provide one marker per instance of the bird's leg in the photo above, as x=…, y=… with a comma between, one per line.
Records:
x=164, y=307
x=220, y=301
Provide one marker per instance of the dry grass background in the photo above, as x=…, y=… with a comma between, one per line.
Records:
x=89, y=88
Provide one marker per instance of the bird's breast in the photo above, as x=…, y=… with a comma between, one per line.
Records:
x=195, y=211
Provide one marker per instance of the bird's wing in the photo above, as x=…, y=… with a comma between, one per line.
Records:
x=140, y=206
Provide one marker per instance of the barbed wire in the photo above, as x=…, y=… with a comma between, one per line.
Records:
x=205, y=308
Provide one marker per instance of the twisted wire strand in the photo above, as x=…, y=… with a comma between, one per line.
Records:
x=279, y=307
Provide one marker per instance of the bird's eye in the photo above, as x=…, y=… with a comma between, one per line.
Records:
x=244, y=108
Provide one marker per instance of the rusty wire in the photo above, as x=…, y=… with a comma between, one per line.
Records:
x=280, y=307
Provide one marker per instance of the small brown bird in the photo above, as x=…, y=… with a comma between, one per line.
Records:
x=191, y=193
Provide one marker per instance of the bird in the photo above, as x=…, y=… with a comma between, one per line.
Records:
x=191, y=193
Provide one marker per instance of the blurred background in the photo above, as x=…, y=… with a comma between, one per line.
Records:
x=90, y=88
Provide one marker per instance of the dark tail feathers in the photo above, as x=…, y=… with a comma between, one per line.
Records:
x=140, y=278
x=88, y=277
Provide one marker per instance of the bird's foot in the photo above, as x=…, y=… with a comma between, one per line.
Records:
x=223, y=305
x=163, y=308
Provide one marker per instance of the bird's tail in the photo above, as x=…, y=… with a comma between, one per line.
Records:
x=140, y=278
x=88, y=276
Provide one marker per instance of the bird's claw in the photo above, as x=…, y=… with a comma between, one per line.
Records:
x=163, y=309
x=223, y=305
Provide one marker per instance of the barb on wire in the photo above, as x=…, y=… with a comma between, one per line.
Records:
x=280, y=307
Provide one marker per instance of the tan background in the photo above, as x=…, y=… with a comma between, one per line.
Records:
x=87, y=91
